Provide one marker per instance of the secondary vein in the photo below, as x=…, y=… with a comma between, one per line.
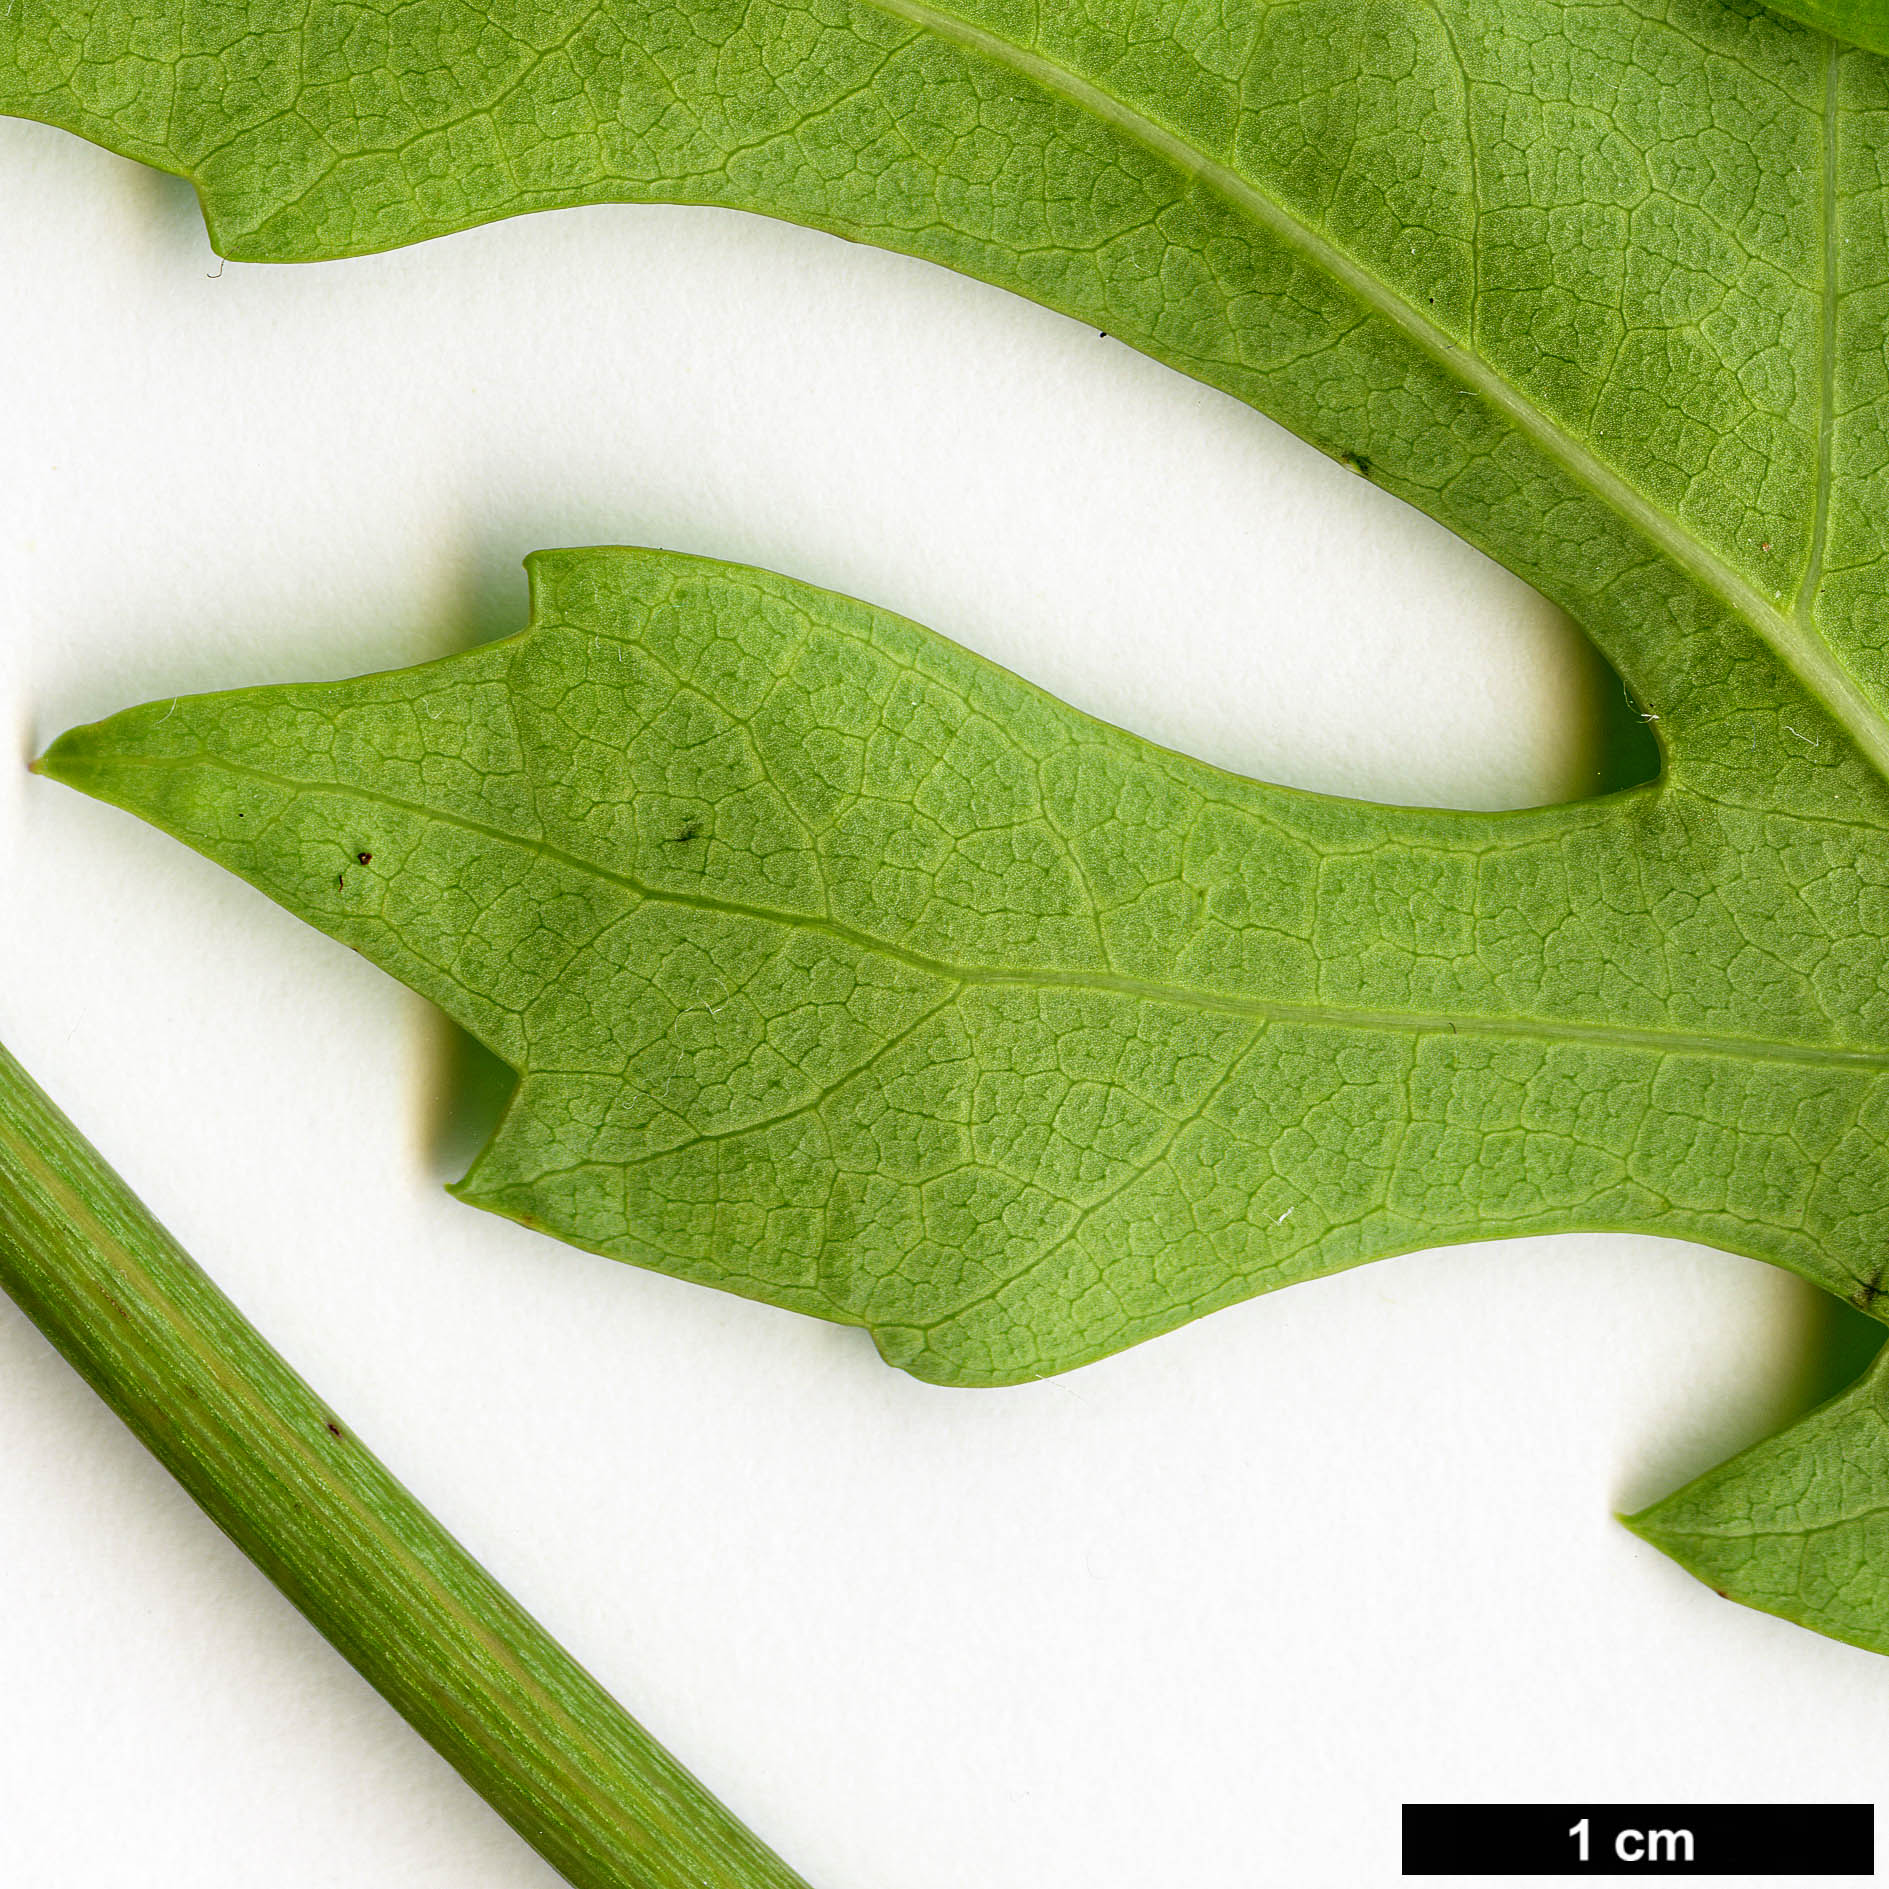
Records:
x=1827, y=395
x=1790, y=637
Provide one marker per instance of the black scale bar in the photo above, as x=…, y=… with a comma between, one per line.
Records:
x=1639, y=1840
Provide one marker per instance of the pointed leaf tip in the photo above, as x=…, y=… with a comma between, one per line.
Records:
x=1797, y=1525
x=844, y=970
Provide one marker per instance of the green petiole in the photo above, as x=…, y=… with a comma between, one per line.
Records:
x=286, y=1480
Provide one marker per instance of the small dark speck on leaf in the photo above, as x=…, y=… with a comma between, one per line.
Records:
x=1357, y=462
x=1101, y=334
x=364, y=857
x=341, y=878
x=691, y=830
x=1721, y=1593
x=334, y=1429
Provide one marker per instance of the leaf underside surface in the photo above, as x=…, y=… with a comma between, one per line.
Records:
x=1860, y=22
x=848, y=972
x=1798, y=1525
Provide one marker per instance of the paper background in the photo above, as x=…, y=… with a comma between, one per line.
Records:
x=1201, y=1615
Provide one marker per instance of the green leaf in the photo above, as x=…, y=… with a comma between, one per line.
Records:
x=1799, y=1525
x=847, y=971
x=1600, y=287
x=1860, y=22
x=1603, y=288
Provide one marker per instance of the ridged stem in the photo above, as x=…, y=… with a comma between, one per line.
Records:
x=291, y=1485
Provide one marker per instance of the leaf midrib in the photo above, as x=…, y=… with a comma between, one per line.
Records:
x=1099, y=983
x=1790, y=637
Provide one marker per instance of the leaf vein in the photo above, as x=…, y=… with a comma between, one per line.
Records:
x=1662, y=1042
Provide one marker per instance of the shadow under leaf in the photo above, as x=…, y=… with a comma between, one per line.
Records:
x=467, y=1089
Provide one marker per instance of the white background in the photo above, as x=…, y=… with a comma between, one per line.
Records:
x=1201, y=1615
